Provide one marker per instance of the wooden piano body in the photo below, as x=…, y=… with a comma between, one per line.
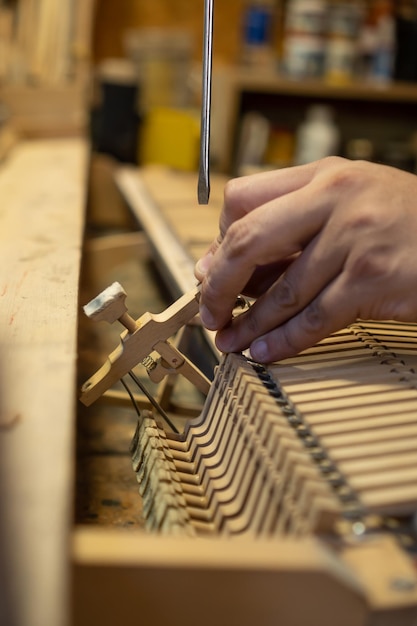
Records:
x=322, y=566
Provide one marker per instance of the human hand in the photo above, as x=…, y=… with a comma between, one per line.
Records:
x=319, y=246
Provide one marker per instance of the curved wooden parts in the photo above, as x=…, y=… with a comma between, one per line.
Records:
x=151, y=329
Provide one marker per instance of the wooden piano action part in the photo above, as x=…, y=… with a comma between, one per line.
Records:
x=290, y=499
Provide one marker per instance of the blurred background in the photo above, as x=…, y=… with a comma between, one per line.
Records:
x=293, y=80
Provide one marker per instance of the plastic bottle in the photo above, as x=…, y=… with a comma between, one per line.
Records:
x=377, y=42
x=344, y=23
x=258, y=34
x=305, y=38
x=383, y=62
x=318, y=136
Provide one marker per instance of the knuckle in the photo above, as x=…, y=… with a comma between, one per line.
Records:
x=252, y=323
x=332, y=161
x=344, y=179
x=241, y=196
x=231, y=191
x=342, y=175
x=361, y=222
x=234, y=199
x=304, y=330
x=238, y=239
x=366, y=265
x=312, y=319
x=284, y=294
x=232, y=206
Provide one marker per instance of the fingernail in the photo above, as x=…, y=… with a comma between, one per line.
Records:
x=203, y=264
x=259, y=351
x=207, y=318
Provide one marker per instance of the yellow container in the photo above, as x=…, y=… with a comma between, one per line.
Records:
x=170, y=137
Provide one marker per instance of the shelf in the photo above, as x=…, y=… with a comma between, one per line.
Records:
x=268, y=82
x=383, y=113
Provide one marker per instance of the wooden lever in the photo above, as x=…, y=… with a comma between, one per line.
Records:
x=141, y=339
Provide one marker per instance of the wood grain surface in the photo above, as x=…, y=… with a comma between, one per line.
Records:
x=42, y=191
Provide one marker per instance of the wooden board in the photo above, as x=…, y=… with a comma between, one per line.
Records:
x=126, y=578
x=42, y=191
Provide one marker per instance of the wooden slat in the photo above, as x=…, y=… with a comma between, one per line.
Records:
x=42, y=187
x=120, y=576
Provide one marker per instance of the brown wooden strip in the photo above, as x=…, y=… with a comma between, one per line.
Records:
x=390, y=396
x=339, y=427
x=340, y=389
x=383, y=479
x=392, y=501
x=374, y=464
x=373, y=449
x=364, y=412
x=374, y=436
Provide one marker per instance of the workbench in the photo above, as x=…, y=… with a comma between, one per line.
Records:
x=42, y=191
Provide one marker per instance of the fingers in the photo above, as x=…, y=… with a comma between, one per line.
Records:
x=243, y=195
x=333, y=309
x=376, y=288
x=345, y=299
x=327, y=245
x=269, y=234
x=265, y=276
x=203, y=264
x=303, y=280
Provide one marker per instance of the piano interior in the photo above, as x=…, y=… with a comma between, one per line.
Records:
x=288, y=495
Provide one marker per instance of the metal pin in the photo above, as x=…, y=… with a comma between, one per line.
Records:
x=153, y=401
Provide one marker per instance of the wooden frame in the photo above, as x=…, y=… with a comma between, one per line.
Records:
x=118, y=576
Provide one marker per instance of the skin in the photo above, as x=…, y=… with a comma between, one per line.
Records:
x=318, y=246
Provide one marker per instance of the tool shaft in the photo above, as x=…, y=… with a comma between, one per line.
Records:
x=204, y=170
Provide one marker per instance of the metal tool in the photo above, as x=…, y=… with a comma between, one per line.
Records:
x=204, y=169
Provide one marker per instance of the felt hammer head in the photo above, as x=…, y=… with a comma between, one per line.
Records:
x=109, y=305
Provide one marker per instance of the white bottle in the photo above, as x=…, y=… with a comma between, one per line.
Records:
x=318, y=136
x=304, y=38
